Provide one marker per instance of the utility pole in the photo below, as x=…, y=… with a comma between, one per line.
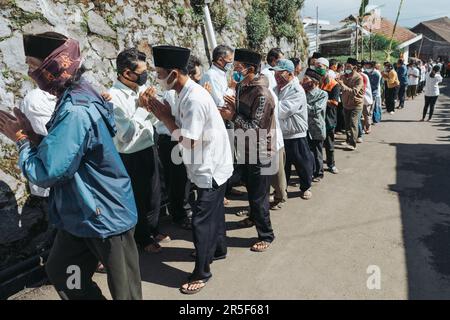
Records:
x=357, y=39
x=317, y=28
x=209, y=26
x=370, y=45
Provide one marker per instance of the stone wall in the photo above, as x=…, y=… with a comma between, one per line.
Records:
x=103, y=28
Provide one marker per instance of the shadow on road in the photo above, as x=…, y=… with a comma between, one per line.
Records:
x=423, y=187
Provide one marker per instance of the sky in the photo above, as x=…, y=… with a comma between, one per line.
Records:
x=413, y=11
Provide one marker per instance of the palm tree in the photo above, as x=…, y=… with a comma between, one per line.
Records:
x=359, y=20
x=389, y=50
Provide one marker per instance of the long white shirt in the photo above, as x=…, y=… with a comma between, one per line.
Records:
x=413, y=76
x=270, y=74
x=219, y=84
x=280, y=140
x=134, y=124
x=432, y=85
x=199, y=119
x=38, y=106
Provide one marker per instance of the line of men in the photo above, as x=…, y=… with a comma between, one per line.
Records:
x=101, y=159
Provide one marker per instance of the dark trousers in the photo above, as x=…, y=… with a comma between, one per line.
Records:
x=429, y=102
x=258, y=188
x=316, y=147
x=402, y=94
x=299, y=155
x=72, y=256
x=208, y=228
x=412, y=91
x=143, y=169
x=177, y=185
x=329, y=148
x=390, y=99
x=340, y=118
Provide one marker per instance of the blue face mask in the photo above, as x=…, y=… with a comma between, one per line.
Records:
x=238, y=76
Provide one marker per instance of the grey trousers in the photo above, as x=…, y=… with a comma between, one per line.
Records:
x=73, y=261
x=278, y=182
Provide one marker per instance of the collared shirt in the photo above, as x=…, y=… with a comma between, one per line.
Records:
x=219, y=84
x=38, y=106
x=198, y=118
x=134, y=124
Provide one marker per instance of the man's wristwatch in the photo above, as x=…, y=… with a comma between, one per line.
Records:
x=21, y=143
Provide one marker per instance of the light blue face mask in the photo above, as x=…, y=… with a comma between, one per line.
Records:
x=347, y=71
x=229, y=66
x=238, y=76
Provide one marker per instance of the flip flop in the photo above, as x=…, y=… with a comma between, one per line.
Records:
x=187, y=291
x=265, y=246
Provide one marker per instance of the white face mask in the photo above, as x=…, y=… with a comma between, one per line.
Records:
x=163, y=82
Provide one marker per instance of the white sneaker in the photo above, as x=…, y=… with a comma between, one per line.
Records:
x=359, y=140
x=391, y=113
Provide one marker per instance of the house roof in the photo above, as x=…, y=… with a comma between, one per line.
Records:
x=439, y=26
x=401, y=34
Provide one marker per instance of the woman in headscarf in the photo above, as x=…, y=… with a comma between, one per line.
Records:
x=91, y=201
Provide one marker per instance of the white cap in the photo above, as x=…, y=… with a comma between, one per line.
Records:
x=323, y=61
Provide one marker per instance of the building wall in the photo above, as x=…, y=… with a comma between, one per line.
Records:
x=429, y=49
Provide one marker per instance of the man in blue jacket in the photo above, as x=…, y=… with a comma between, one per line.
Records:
x=91, y=200
x=402, y=72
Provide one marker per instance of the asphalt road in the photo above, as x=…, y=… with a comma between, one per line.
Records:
x=388, y=210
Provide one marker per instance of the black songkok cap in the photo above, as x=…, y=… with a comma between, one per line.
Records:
x=171, y=57
x=40, y=46
x=313, y=74
x=247, y=56
x=316, y=55
x=353, y=61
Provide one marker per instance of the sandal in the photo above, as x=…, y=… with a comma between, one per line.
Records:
x=246, y=223
x=185, y=287
x=100, y=268
x=306, y=195
x=162, y=238
x=260, y=246
x=243, y=213
x=153, y=248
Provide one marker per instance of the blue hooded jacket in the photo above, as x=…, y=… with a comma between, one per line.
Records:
x=91, y=194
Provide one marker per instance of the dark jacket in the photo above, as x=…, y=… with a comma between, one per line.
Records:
x=255, y=107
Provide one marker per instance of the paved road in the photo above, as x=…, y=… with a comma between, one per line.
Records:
x=389, y=207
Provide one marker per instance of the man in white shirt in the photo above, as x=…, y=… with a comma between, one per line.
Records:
x=274, y=55
x=38, y=107
x=206, y=152
x=177, y=185
x=216, y=76
x=413, y=80
x=135, y=142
